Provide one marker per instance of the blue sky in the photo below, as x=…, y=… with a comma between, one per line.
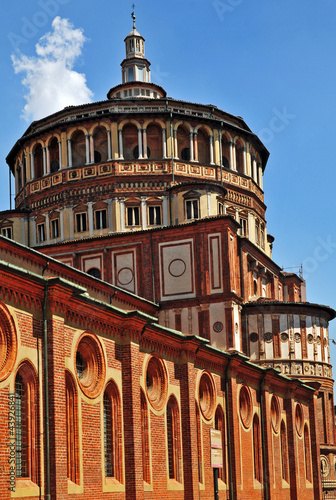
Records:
x=271, y=62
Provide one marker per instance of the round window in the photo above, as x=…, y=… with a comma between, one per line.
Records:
x=245, y=406
x=275, y=413
x=299, y=419
x=156, y=382
x=90, y=365
x=206, y=395
x=8, y=343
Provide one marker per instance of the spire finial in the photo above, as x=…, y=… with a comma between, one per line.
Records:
x=133, y=16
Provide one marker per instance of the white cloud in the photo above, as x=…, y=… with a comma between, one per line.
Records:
x=49, y=76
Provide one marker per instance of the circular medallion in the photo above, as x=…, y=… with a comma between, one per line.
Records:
x=310, y=338
x=206, y=394
x=284, y=336
x=299, y=419
x=297, y=337
x=177, y=268
x=254, y=337
x=268, y=337
x=125, y=276
x=156, y=382
x=275, y=413
x=90, y=365
x=218, y=327
x=245, y=406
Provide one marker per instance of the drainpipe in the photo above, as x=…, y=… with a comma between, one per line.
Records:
x=262, y=419
x=172, y=147
x=152, y=262
x=10, y=188
x=227, y=411
x=46, y=385
x=221, y=154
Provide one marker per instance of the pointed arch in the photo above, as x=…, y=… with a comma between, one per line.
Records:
x=112, y=432
x=145, y=439
x=284, y=452
x=174, y=440
x=220, y=426
x=71, y=402
x=257, y=449
x=26, y=423
x=307, y=454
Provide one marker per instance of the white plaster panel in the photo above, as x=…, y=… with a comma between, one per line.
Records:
x=215, y=263
x=177, y=270
x=124, y=270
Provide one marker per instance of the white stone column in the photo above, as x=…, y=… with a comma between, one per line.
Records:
x=209, y=203
x=47, y=223
x=44, y=154
x=254, y=170
x=165, y=210
x=260, y=177
x=121, y=152
x=140, y=143
x=87, y=148
x=122, y=214
x=195, y=146
x=211, y=150
x=191, y=139
x=71, y=223
x=164, y=143
x=109, y=212
x=144, y=143
x=60, y=154
x=90, y=217
x=23, y=222
x=48, y=160
x=61, y=212
x=175, y=153
x=23, y=230
x=109, y=145
x=32, y=165
x=91, y=149
x=143, y=212
x=231, y=155
x=245, y=160
x=69, y=153
x=234, y=156
x=176, y=209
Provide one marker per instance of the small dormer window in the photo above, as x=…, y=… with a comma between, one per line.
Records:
x=192, y=209
x=138, y=45
x=140, y=74
x=132, y=45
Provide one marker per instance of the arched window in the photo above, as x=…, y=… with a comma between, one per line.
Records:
x=18, y=177
x=95, y=272
x=307, y=454
x=183, y=144
x=100, y=145
x=78, y=149
x=220, y=426
x=256, y=448
x=225, y=152
x=38, y=161
x=145, y=439
x=71, y=428
x=199, y=444
x=284, y=452
x=26, y=423
x=112, y=433
x=203, y=144
x=173, y=438
x=240, y=156
x=130, y=141
x=154, y=142
x=54, y=155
